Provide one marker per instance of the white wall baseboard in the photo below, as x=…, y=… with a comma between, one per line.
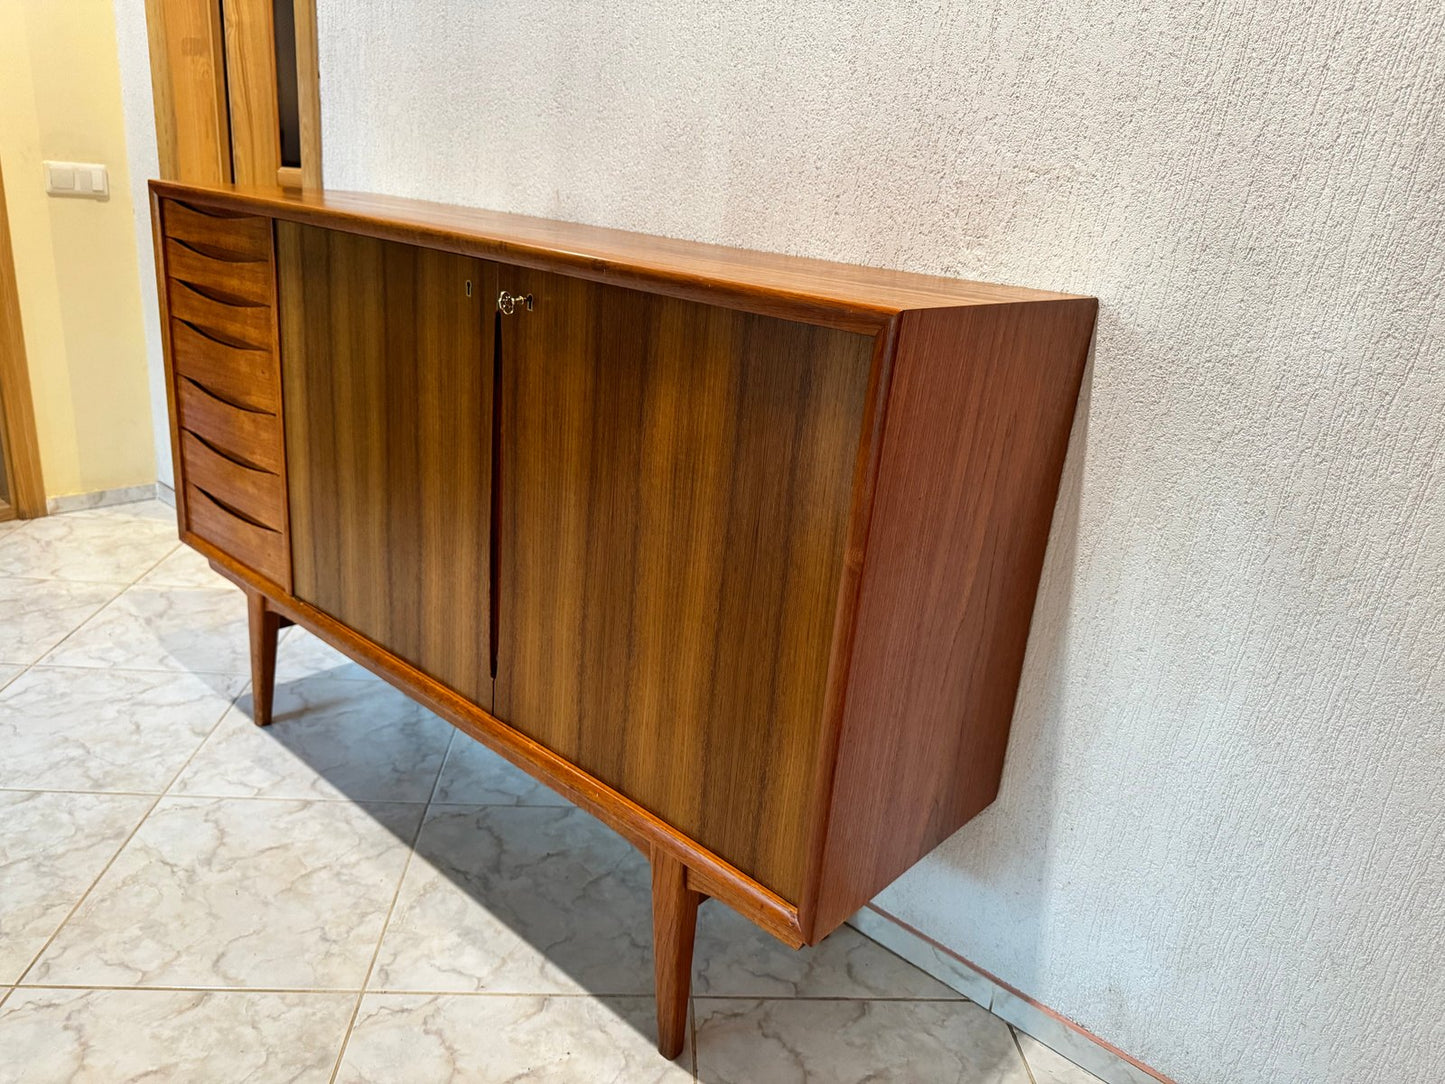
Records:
x=165, y=494
x=1070, y=1040
x=102, y=498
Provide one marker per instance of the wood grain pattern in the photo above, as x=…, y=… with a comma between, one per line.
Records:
x=246, y=376
x=241, y=282
x=674, y=505
x=259, y=547
x=674, y=927
x=256, y=494
x=263, y=624
x=249, y=437
x=251, y=91
x=862, y=299
x=308, y=92
x=19, y=443
x=210, y=310
x=237, y=236
x=188, y=83
x=387, y=386
x=980, y=408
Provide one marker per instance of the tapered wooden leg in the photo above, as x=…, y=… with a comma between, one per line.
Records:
x=265, y=623
x=674, y=922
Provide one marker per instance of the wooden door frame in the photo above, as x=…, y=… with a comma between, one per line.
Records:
x=19, y=444
x=213, y=74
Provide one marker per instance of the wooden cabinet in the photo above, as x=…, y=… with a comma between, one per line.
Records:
x=737, y=552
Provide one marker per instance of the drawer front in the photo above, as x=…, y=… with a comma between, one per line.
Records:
x=246, y=377
x=240, y=325
x=258, y=547
x=247, y=436
x=242, y=282
x=225, y=377
x=221, y=233
x=256, y=494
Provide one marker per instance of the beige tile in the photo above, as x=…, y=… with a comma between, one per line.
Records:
x=518, y=899
x=120, y=730
x=1049, y=1067
x=164, y=628
x=52, y=847
x=239, y=893
x=184, y=568
x=474, y=775
x=734, y=958
x=218, y=1037
x=106, y=545
x=432, y=1039
x=38, y=614
x=853, y=1042
x=329, y=738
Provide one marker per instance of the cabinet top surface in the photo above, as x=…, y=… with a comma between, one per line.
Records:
x=818, y=291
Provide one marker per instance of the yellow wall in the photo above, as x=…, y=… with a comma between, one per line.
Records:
x=75, y=260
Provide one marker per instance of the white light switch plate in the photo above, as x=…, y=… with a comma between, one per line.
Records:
x=88, y=180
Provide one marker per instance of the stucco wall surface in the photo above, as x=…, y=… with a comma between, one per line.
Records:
x=1219, y=842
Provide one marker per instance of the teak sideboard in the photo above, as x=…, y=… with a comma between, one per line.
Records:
x=736, y=551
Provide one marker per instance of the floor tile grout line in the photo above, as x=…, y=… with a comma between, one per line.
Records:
x=126, y=842
x=391, y=909
x=105, y=605
x=1014, y=1035
x=86, y=894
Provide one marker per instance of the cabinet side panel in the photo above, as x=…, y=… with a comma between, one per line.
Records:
x=674, y=514
x=387, y=403
x=979, y=413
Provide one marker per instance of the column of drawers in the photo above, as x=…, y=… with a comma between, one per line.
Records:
x=220, y=284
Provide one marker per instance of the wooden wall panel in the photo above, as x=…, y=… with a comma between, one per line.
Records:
x=251, y=86
x=387, y=401
x=675, y=494
x=188, y=81
x=308, y=83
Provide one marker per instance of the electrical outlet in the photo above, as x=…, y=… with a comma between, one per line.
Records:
x=87, y=180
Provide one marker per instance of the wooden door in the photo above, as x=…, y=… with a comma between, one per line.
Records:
x=675, y=486
x=387, y=396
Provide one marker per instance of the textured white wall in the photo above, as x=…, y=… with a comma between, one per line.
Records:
x=1219, y=842
x=133, y=50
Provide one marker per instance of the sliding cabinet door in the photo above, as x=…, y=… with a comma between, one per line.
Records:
x=675, y=486
x=387, y=378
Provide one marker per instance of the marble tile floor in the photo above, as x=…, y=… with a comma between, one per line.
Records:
x=357, y=893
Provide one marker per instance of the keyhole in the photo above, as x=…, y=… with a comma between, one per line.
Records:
x=469, y=287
